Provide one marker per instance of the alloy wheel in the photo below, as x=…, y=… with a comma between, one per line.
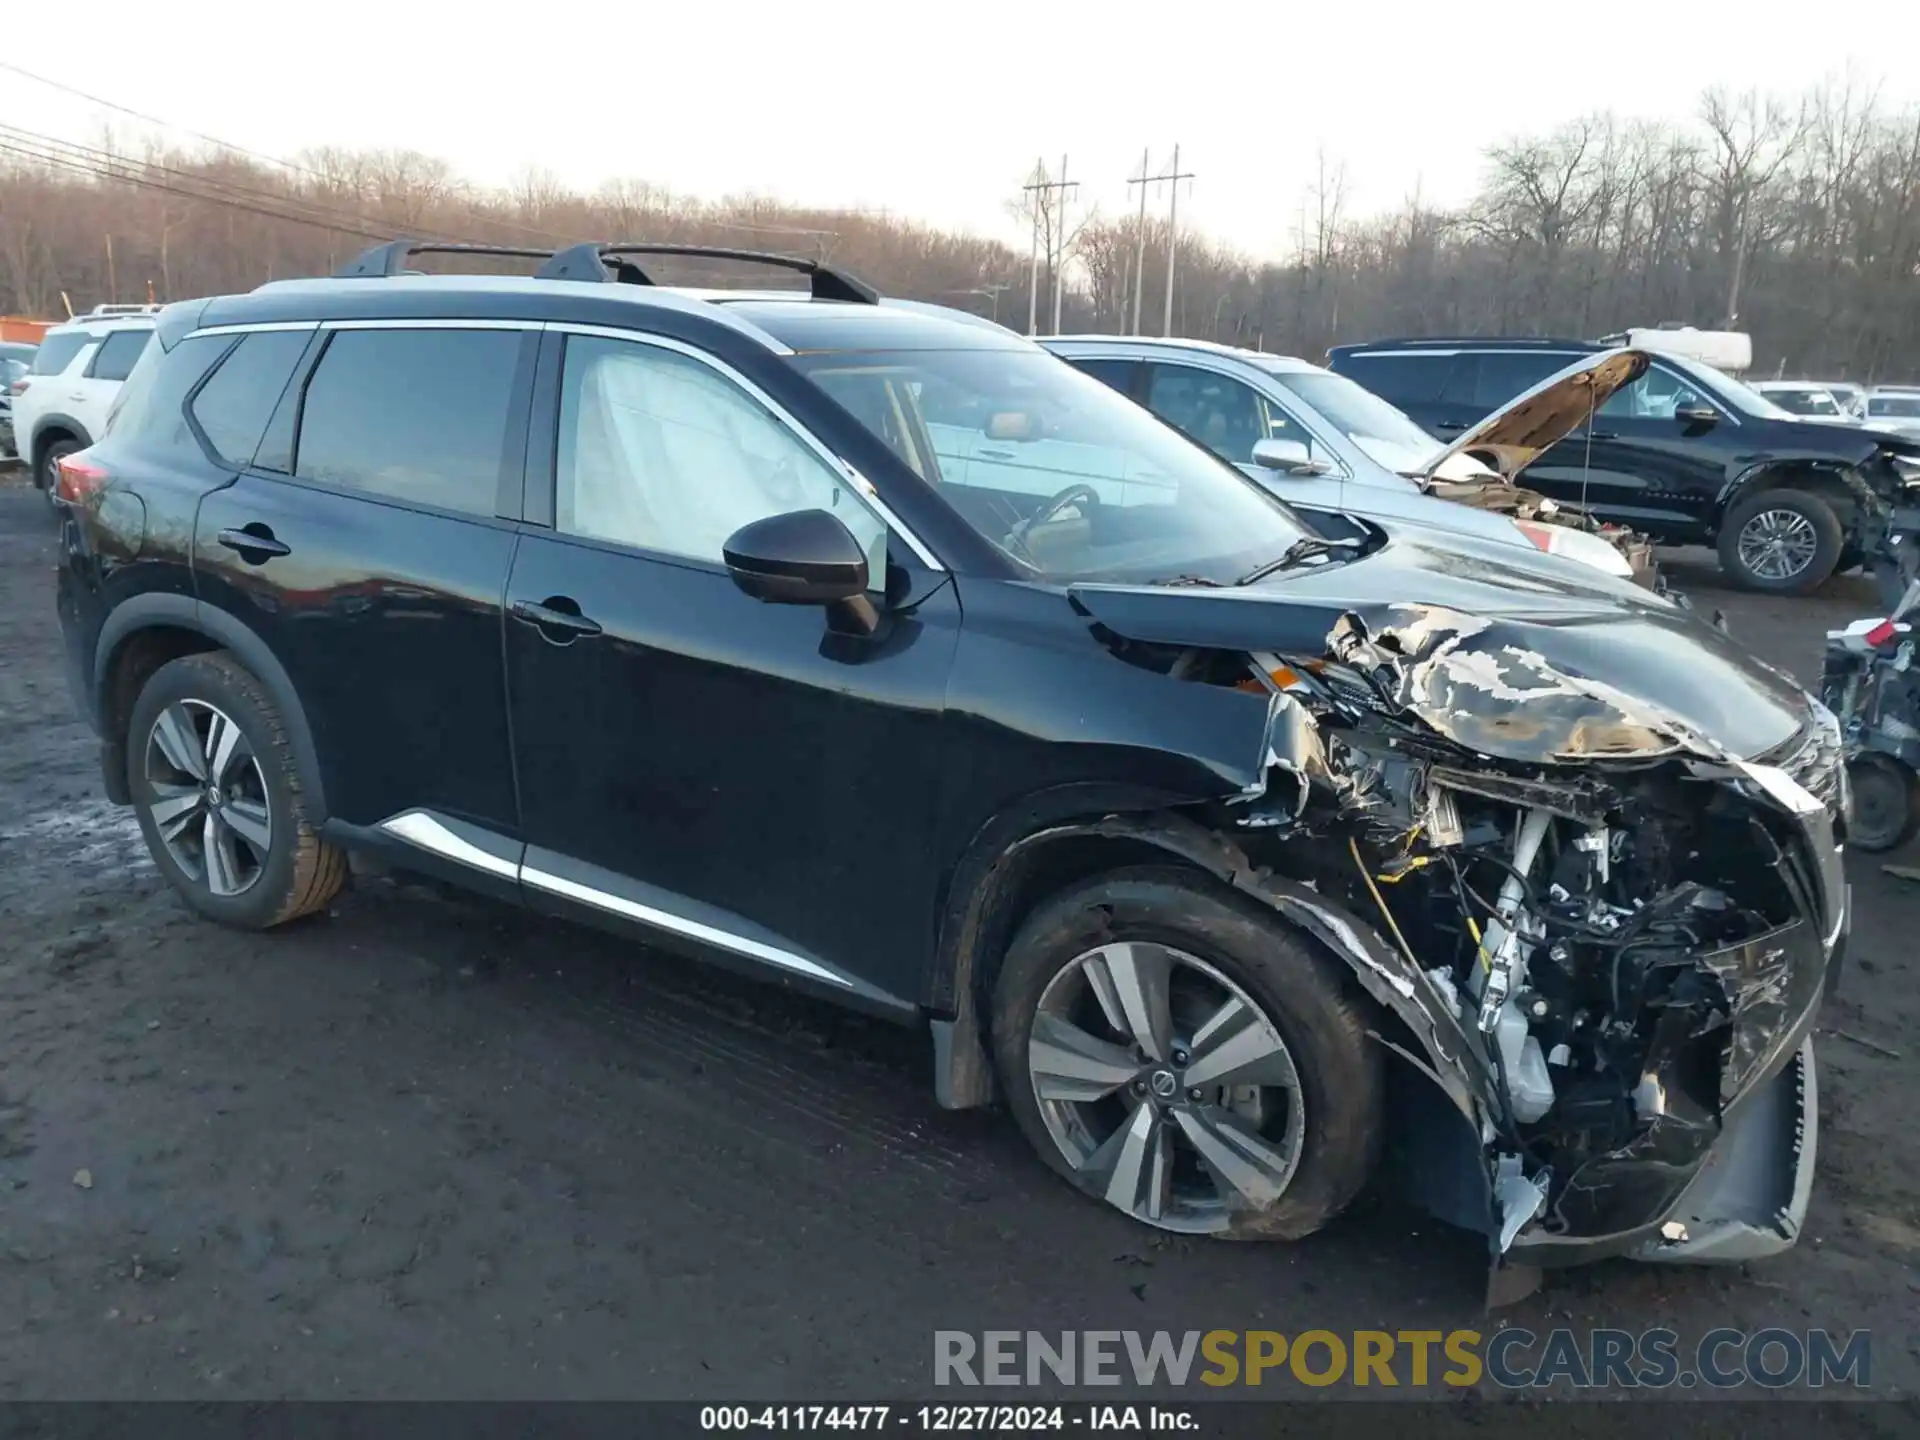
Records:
x=1778, y=544
x=209, y=797
x=1166, y=1086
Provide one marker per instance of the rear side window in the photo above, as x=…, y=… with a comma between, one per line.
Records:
x=418, y=416
x=234, y=405
x=151, y=408
x=56, y=352
x=1404, y=379
x=1507, y=373
x=118, y=354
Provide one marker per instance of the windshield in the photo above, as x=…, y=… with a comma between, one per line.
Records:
x=1356, y=412
x=1804, y=402
x=1905, y=406
x=1059, y=471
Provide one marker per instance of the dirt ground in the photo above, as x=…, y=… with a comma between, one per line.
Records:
x=431, y=1147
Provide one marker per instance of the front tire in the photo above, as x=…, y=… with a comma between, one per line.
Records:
x=1171, y=1048
x=1886, y=802
x=1780, y=542
x=217, y=792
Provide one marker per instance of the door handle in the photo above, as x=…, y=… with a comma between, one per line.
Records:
x=78, y=395
x=1449, y=425
x=1593, y=435
x=994, y=454
x=251, y=541
x=556, y=612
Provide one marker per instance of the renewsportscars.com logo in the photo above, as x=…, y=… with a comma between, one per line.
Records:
x=1513, y=1358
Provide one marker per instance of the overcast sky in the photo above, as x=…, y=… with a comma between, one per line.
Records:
x=937, y=111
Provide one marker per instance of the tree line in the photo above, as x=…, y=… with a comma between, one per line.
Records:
x=1794, y=218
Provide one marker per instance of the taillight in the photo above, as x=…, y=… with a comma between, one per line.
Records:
x=1541, y=535
x=1882, y=633
x=80, y=478
x=19, y=387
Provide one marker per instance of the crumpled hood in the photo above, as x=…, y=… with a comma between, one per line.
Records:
x=1524, y=658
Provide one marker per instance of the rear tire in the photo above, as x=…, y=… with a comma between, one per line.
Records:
x=46, y=471
x=1780, y=542
x=217, y=791
x=1253, y=1016
x=1886, y=802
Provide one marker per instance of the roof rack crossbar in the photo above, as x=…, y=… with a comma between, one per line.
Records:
x=391, y=257
x=592, y=262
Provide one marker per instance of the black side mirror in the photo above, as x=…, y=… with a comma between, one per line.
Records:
x=804, y=557
x=1696, y=415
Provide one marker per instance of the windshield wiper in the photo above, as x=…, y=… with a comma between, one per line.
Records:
x=1187, y=580
x=1305, y=548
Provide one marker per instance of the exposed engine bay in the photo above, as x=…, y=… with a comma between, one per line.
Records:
x=1602, y=929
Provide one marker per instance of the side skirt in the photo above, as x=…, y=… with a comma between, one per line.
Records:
x=479, y=859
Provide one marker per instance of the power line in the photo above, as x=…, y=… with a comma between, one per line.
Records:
x=473, y=211
x=105, y=164
x=101, y=165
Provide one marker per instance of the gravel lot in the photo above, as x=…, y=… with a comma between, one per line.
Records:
x=430, y=1147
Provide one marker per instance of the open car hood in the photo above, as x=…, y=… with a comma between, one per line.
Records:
x=1514, y=436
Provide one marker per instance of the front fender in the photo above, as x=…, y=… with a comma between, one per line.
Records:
x=1451, y=1059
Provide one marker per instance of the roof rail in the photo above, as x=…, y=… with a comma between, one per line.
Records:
x=604, y=263
x=120, y=310
x=1400, y=341
x=390, y=258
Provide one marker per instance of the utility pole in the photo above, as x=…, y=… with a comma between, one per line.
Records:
x=1035, y=188
x=1042, y=190
x=1060, y=242
x=1140, y=242
x=1173, y=235
x=1175, y=176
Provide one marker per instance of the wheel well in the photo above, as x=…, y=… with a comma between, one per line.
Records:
x=1028, y=877
x=1814, y=479
x=133, y=664
x=51, y=436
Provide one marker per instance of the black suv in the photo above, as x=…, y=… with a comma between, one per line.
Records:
x=1686, y=454
x=680, y=613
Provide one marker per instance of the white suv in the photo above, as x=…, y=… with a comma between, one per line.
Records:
x=61, y=404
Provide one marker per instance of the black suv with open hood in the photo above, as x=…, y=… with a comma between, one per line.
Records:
x=1686, y=453
x=1235, y=860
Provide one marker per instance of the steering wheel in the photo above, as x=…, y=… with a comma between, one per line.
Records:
x=1082, y=492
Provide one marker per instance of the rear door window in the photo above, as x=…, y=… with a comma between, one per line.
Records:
x=58, y=350
x=418, y=416
x=1507, y=373
x=1405, y=378
x=234, y=405
x=1120, y=375
x=118, y=354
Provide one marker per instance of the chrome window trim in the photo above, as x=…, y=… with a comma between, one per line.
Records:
x=252, y=327
x=865, y=488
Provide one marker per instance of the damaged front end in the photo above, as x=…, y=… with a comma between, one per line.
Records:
x=1606, y=935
